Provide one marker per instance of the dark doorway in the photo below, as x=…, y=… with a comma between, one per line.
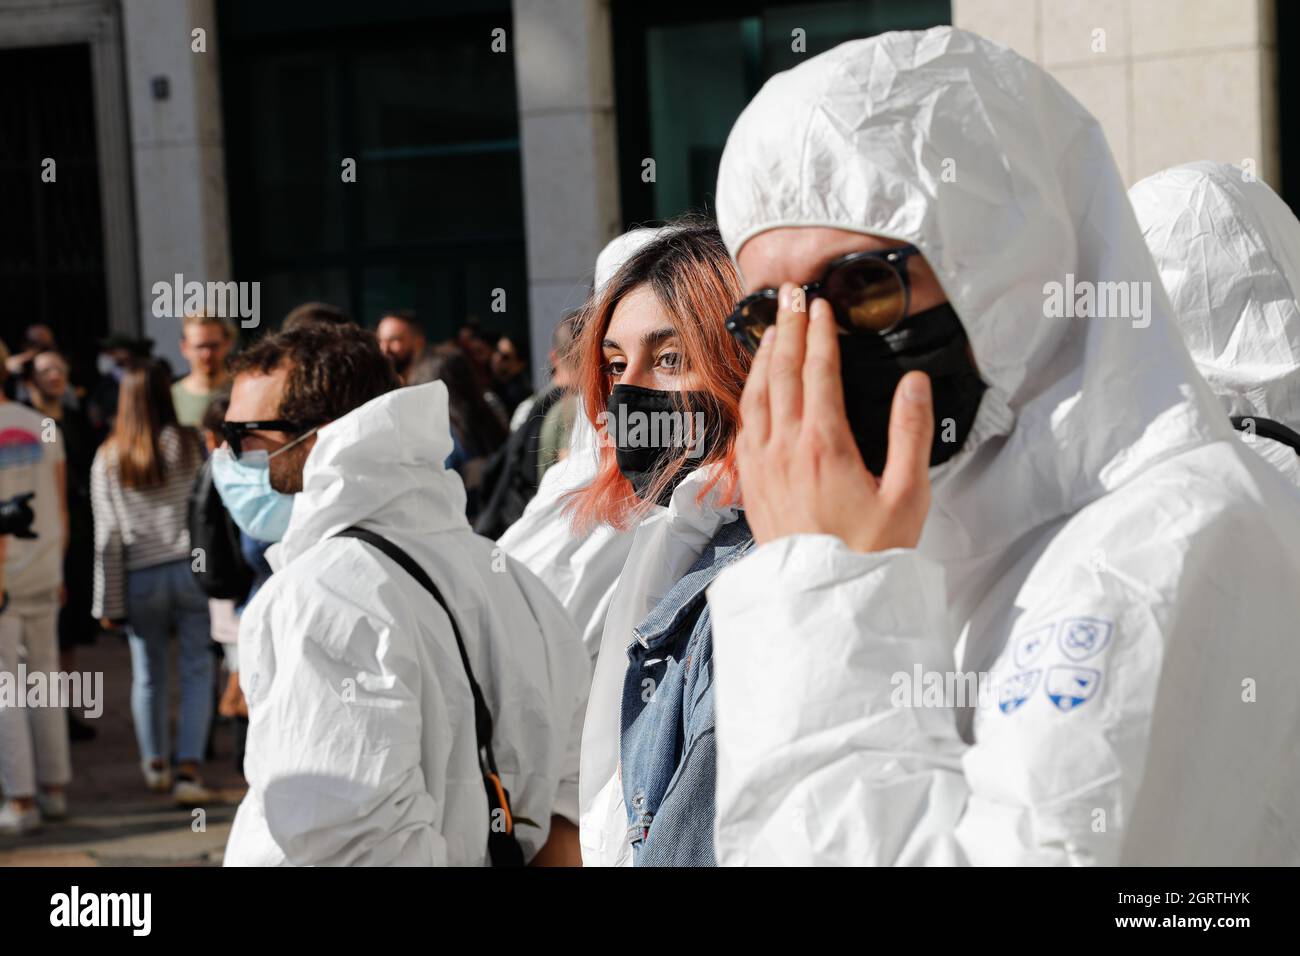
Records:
x=51, y=246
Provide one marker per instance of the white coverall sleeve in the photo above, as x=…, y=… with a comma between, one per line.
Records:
x=818, y=763
x=566, y=793
x=334, y=735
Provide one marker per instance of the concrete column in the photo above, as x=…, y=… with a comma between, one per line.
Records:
x=564, y=73
x=1171, y=82
x=180, y=186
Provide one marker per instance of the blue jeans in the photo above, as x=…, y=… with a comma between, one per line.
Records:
x=160, y=600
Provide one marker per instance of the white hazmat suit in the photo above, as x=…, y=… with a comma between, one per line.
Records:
x=361, y=741
x=1103, y=549
x=1228, y=251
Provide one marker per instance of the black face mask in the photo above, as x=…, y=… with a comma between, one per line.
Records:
x=651, y=429
x=873, y=363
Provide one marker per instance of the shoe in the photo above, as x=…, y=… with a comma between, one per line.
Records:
x=190, y=792
x=79, y=730
x=15, y=822
x=157, y=779
x=53, y=806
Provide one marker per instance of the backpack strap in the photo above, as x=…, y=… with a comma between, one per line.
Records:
x=1267, y=428
x=503, y=846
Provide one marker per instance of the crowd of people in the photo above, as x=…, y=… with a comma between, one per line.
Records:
x=688, y=604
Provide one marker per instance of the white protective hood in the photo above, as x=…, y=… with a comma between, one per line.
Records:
x=1077, y=551
x=618, y=251
x=361, y=743
x=386, y=455
x=1005, y=183
x=1228, y=251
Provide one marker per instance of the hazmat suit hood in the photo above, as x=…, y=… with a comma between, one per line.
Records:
x=392, y=450
x=618, y=251
x=1006, y=184
x=1228, y=251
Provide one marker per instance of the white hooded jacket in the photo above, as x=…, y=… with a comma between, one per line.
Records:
x=1104, y=552
x=361, y=740
x=1228, y=251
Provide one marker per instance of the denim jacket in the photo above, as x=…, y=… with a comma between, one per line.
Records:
x=668, y=748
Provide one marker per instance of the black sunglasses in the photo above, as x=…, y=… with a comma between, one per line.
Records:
x=234, y=432
x=865, y=290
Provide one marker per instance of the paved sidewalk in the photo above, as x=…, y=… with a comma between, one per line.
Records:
x=113, y=820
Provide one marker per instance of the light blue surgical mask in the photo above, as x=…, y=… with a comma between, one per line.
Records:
x=244, y=485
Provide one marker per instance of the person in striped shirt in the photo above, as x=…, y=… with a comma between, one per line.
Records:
x=140, y=483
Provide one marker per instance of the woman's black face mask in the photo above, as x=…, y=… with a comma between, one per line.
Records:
x=873, y=363
x=651, y=429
